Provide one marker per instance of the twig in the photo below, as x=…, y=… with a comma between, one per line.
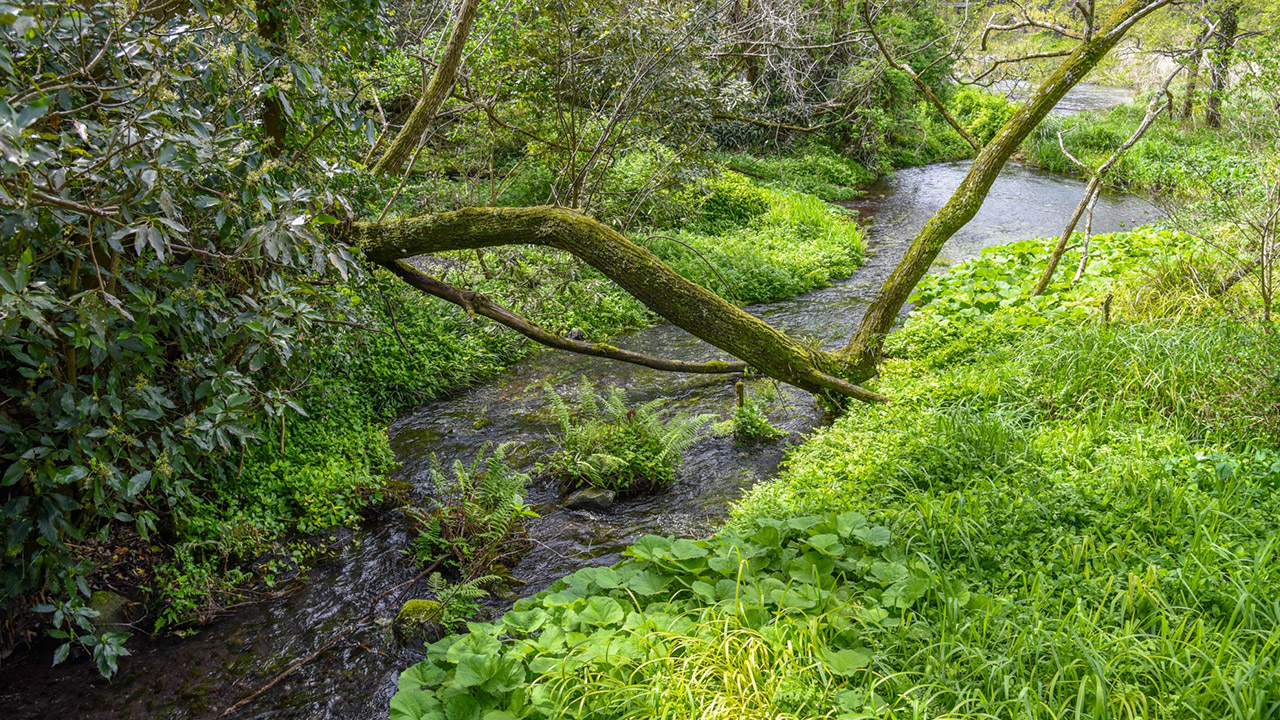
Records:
x=364, y=620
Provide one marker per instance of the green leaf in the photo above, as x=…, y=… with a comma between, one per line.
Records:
x=526, y=622
x=647, y=583
x=845, y=663
x=602, y=611
x=415, y=705
x=875, y=536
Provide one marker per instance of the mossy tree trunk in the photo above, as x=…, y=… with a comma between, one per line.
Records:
x=410, y=136
x=683, y=303
x=864, y=348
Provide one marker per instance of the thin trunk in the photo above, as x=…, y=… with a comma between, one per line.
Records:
x=839, y=28
x=864, y=348
x=1220, y=63
x=406, y=141
x=271, y=28
x=1094, y=186
x=1193, y=77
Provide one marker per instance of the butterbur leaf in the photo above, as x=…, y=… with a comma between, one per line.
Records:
x=602, y=611
x=845, y=662
x=875, y=535
x=649, y=547
x=415, y=705
x=647, y=583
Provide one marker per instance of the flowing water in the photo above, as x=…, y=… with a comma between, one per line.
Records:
x=199, y=676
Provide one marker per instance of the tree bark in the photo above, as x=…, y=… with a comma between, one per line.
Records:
x=406, y=141
x=1193, y=76
x=864, y=348
x=685, y=304
x=271, y=28
x=1220, y=62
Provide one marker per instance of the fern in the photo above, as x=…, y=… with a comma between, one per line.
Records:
x=458, y=600
x=605, y=442
x=475, y=514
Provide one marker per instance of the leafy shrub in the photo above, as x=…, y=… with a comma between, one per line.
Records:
x=981, y=113
x=785, y=616
x=750, y=424
x=606, y=443
x=798, y=244
x=474, y=512
x=731, y=201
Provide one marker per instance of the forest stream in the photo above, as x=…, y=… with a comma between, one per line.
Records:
x=214, y=666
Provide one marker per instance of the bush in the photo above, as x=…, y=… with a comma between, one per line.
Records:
x=731, y=201
x=606, y=443
x=750, y=424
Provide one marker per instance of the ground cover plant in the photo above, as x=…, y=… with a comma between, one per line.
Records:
x=1080, y=510
x=607, y=442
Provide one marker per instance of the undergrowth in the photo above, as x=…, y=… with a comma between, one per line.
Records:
x=607, y=442
x=1062, y=514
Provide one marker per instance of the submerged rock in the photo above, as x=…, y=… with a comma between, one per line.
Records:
x=591, y=499
x=418, y=621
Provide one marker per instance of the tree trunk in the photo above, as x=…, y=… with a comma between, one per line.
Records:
x=1193, y=77
x=271, y=28
x=864, y=348
x=1220, y=62
x=407, y=140
x=663, y=290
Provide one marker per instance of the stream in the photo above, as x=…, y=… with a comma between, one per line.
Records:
x=200, y=675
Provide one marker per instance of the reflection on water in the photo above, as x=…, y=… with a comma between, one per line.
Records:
x=199, y=676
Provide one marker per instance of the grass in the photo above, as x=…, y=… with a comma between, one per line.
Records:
x=1172, y=157
x=1076, y=519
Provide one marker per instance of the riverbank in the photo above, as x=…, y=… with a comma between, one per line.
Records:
x=238, y=653
x=1052, y=481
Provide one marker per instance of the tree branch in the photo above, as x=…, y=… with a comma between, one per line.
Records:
x=407, y=140
x=477, y=304
x=651, y=281
x=865, y=7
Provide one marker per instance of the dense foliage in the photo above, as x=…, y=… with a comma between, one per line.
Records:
x=607, y=442
x=1069, y=516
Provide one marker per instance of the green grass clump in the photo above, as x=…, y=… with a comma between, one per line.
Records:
x=606, y=442
x=814, y=170
x=1171, y=157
